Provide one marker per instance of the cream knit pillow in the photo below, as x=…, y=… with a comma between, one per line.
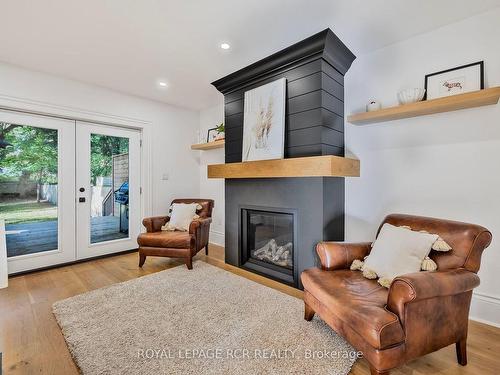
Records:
x=438, y=245
x=181, y=216
x=397, y=251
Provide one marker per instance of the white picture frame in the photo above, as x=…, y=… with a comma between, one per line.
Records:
x=264, y=122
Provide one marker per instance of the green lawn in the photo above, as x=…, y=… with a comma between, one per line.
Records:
x=27, y=212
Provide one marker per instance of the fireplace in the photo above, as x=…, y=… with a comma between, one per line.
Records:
x=268, y=240
x=265, y=214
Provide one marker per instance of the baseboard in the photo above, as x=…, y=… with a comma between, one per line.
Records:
x=217, y=238
x=485, y=308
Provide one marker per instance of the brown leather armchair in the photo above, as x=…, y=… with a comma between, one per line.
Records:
x=420, y=312
x=177, y=244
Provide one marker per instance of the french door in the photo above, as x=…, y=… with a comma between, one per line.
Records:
x=37, y=203
x=68, y=190
x=108, y=189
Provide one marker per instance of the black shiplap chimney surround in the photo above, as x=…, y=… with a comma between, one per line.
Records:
x=314, y=69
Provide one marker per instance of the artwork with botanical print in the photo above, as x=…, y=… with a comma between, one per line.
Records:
x=264, y=122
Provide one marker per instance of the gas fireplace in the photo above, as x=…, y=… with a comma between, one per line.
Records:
x=268, y=241
x=273, y=222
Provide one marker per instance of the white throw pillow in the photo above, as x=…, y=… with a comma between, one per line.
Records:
x=181, y=216
x=398, y=251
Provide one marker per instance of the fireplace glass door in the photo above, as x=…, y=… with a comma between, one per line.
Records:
x=268, y=238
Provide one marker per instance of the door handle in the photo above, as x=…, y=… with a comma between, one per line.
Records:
x=81, y=200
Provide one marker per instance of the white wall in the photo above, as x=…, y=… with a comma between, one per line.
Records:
x=168, y=134
x=213, y=188
x=444, y=165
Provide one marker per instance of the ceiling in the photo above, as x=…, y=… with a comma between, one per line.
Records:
x=129, y=45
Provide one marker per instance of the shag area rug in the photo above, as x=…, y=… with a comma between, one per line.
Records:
x=204, y=321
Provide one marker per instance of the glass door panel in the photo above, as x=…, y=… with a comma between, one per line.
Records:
x=28, y=188
x=108, y=189
x=35, y=159
x=109, y=177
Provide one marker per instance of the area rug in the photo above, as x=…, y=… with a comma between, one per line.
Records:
x=203, y=321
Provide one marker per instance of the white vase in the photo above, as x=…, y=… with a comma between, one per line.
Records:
x=3, y=257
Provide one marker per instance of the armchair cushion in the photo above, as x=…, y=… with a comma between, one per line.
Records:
x=398, y=251
x=358, y=302
x=207, y=205
x=181, y=217
x=164, y=239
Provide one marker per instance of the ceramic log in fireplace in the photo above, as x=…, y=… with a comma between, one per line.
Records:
x=268, y=238
x=258, y=210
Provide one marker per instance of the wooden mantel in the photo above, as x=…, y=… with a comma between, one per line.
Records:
x=312, y=166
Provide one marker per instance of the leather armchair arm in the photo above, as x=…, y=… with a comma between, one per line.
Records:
x=424, y=285
x=198, y=224
x=339, y=255
x=154, y=224
x=199, y=229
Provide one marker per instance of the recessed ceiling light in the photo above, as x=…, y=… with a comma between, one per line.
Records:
x=225, y=46
x=162, y=84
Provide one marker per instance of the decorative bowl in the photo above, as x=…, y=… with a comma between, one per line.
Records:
x=407, y=96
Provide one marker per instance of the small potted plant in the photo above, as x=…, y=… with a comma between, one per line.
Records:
x=216, y=134
x=220, y=132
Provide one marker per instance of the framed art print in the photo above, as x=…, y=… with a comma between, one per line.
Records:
x=212, y=134
x=264, y=122
x=455, y=81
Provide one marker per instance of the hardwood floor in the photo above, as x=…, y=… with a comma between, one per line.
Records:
x=32, y=343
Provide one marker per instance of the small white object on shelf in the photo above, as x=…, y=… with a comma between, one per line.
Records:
x=3, y=257
x=414, y=95
x=373, y=105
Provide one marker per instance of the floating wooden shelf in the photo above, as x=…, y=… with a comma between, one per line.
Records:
x=312, y=166
x=427, y=107
x=208, y=145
